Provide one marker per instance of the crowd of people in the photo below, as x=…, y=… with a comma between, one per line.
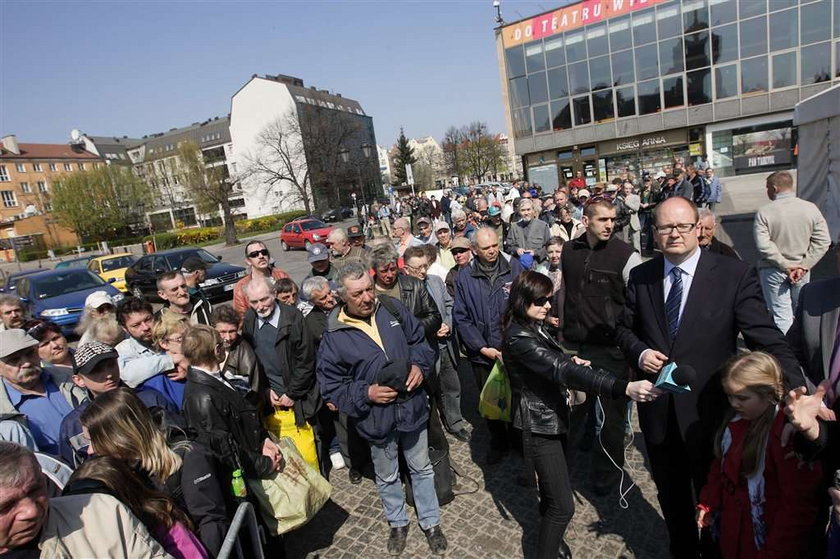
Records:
x=160, y=414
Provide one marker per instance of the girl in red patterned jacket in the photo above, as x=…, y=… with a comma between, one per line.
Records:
x=760, y=500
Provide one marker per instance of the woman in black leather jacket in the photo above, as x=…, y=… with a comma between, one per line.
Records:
x=541, y=375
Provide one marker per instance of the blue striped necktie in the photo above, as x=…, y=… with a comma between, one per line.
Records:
x=672, y=304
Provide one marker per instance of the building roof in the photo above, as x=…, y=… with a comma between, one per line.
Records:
x=47, y=151
x=210, y=133
x=311, y=95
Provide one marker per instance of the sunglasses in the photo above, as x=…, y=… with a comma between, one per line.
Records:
x=458, y=251
x=540, y=302
x=254, y=254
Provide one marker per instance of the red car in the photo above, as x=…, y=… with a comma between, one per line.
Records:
x=301, y=233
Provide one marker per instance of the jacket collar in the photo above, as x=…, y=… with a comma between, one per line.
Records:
x=475, y=271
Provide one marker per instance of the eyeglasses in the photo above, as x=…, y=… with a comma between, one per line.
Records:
x=420, y=268
x=541, y=301
x=682, y=228
x=458, y=251
x=254, y=254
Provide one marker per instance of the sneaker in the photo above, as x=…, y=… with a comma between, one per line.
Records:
x=396, y=540
x=462, y=435
x=436, y=539
x=337, y=461
x=355, y=476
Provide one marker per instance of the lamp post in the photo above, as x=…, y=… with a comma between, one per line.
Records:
x=345, y=157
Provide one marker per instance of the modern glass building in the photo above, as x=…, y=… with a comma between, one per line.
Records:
x=611, y=86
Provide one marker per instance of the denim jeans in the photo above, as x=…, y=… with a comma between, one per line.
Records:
x=780, y=296
x=415, y=449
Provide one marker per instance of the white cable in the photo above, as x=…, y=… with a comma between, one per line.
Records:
x=622, y=493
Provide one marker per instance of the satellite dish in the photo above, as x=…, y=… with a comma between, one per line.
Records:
x=75, y=135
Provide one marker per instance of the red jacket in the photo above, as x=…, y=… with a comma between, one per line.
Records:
x=791, y=498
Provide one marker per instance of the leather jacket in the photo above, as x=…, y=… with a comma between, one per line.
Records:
x=415, y=296
x=540, y=375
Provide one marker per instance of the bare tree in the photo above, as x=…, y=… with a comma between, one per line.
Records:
x=452, y=152
x=481, y=151
x=209, y=184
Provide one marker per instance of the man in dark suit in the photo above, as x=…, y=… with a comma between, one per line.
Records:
x=688, y=307
x=706, y=235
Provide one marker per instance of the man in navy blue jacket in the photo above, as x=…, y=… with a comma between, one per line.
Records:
x=371, y=364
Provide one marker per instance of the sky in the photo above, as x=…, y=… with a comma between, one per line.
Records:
x=136, y=68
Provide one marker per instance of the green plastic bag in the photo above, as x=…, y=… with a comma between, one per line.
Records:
x=494, y=401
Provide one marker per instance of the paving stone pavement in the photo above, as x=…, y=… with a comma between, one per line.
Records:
x=492, y=516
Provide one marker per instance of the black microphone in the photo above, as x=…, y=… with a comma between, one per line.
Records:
x=684, y=375
x=675, y=379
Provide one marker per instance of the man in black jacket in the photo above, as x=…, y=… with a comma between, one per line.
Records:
x=173, y=289
x=706, y=235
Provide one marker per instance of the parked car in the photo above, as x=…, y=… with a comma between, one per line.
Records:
x=301, y=233
x=59, y=295
x=112, y=266
x=337, y=214
x=10, y=280
x=141, y=277
x=75, y=262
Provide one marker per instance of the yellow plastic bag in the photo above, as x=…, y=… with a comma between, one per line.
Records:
x=494, y=401
x=293, y=496
x=282, y=424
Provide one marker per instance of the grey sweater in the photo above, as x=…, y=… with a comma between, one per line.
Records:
x=790, y=232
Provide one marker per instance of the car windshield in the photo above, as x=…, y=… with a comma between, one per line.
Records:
x=310, y=225
x=76, y=263
x=116, y=263
x=65, y=282
x=177, y=259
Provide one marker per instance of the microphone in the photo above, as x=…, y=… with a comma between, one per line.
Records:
x=675, y=379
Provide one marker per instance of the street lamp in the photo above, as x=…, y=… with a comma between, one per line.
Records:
x=345, y=157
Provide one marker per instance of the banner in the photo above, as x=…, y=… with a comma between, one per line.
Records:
x=761, y=149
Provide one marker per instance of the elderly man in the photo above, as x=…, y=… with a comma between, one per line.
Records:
x=444, y=244
x=462, y=255
x=460, y=226
x=528, y=235
x=319, y=261
x=425, y=234
x=195, y=272
x=173, y=289
x=371, y=365
x=791, y=236
x=715, y=189
x=402, y=236
x=481, y=293
x=36, y=397
x=259, y=260
x=706, y=235
x=341, y=250
x=12, y=312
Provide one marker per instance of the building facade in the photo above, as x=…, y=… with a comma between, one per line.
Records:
x=613, y=86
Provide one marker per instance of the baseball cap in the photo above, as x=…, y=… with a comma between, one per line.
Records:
x=12, y=341
x=193, y=264
x=440, y=225
x=459, y=242
x=97, y=299
x=424, y=220
x=355, y=231
x=91, y=354
x=493, y=211
x=317, y=252
x=583, y=193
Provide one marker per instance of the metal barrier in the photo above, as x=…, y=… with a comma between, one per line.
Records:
x=244, y=517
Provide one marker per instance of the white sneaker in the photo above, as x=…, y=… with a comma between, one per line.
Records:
x=337, y=461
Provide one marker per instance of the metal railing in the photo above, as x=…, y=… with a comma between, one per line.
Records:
x=245, y=517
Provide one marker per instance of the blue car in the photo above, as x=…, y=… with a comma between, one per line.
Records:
x=59, y=295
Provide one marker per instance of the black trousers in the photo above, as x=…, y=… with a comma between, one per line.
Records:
x=557, y=504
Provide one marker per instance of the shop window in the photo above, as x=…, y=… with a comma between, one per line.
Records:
x=583, y=115
x=750, y=8
x=647, y=64
x=784, y=29
x=697, y=50
x=575, y=47
x=753, y=37
x=649, y=101
x=754, y=75
x=695, y=15
x=699, y=86
x=816, y=63
x=185, y=216
x=671, y=56
x=586, y=152
x=519, y=92
x=596, y=40
x=515, y=59
x=561, y=116
x=625, y=101
x=534, y=59
x=620, y=38
x=644, y=30
x=554, y=53
x=564, y=155
x=725, y=43
x=672, y=92
x=558, y=84
x=522, y=123
x=599, y=72
x=815, y=22
x=775, y=5
x=579, y=78
x=784, y=70
x=726, y=81
x=668, y=20
x=622, y=68
x=602, y=105
x=537, y=88
x=723, y=11
x=542, y=122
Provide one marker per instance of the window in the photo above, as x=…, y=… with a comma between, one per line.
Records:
x=522, y=123
x=599, y=72
x=753, y=37
x=537, y=88
x=602, y=105
x=21, y=168
x=37, y=167
x=725, y=43
x=554, y=53
x=668, y=21
x=542, y=122
x=515, y=59
x=647, y=64
x=697, y=50
x=67, y=167
x=644, y=30
x=781, y=4
x=4, y=174
x=784, y=29
x=81, y=166
x=695, y=15
x=620, y=38
x=558, y=85
x=649, y=101
x=672, y=92
x=534, y=59
x=519, y=92
x=815, y=66
x=53, y=167
x=625, y=101
x=582, y=113
x=596, y=40
x=726, y=81
x=622, y=68
x=754, y=75
x=24, y=187
x=699, y=86
x=723, y=11
x=561, y=114
x=9, y=200
x=579, y=77
x=815, y=23
x=784, y=70
x=48, y=206
x=752, y=8
x=671, y=55
x=575, y=47
x=42, y=186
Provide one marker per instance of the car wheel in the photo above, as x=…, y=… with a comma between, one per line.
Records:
x=137, y=292
x=284, y=246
